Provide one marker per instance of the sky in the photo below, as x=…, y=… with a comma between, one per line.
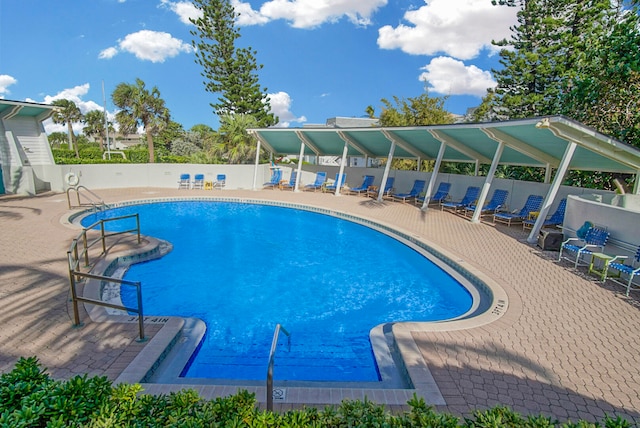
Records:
x=320, y=58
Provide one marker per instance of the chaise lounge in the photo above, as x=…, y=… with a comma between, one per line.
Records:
x=469, y=197
x=532, y=204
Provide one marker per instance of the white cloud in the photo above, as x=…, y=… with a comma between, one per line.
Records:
x=154, y=46
x=312, y=13
x=300, y=13
x=451, y=77
x=458, y=28
x=184, y=9
x=248, y=16
x=5, y=82
x=108, y=53
x=74, y=94
x=281, y=106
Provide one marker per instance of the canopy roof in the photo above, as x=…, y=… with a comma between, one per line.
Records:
x=537, y=142
x=10, y=109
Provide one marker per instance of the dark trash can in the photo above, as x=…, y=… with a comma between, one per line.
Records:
x=550, y=239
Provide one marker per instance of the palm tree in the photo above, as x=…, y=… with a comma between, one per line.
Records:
x=67, y=113
x=57, y=138
x=95, y=126
x=234, y=143
x=139, y=107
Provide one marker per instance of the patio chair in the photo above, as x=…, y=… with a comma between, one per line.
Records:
x=321, y=177
x=495, y=203
x=557, y=218
x=442, y=193
x=594, y=241
x=291, y=184
x=367, y=181
x=198, y=181
x=386, y=192
x=533, y=203
x=469, y=197
x=185, y=181
x=631, y=270
x=418, y=185
x=221, y=181
x=332, y=187
x=274, y=182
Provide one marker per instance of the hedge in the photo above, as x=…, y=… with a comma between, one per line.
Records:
x=29, y=397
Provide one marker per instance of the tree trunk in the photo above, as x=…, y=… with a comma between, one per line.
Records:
x=72, y=144
x=70, y=131
x=152, y=158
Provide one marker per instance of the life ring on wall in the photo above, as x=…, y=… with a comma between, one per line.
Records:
x=71, y=179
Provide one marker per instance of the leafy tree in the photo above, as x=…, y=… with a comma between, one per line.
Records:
x=202, y=136
x=544, y=51
x=169, y=135
x=606, y=95
x=234, y=144
x=94, y=121
x=140, y=107
x=67, y=113
x=487, y=111
x=421, y=110
x=371, y=112
x=230, y=71
x=57, y=138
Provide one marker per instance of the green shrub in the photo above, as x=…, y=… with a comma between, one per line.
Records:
x=30, y=398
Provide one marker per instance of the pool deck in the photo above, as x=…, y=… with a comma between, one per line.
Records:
x=566, y=346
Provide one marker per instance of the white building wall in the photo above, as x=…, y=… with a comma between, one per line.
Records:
x=31, y=140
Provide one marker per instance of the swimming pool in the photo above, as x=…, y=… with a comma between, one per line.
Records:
x=242, y=268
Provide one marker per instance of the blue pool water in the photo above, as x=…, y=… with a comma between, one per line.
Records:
x=243, y=268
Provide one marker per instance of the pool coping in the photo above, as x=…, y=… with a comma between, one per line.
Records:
x=422, y=381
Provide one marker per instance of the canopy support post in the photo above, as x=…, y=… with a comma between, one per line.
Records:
x=434, y=176
x=487, y=183
x=553, y=191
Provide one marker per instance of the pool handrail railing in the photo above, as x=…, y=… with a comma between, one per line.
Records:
x=272, y=353
x=74, y=255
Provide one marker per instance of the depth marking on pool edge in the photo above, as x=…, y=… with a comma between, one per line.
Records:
x=499, y=308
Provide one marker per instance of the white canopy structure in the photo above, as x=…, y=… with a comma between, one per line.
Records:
x=554, y=143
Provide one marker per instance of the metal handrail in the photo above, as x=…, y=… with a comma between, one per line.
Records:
x=74, y=255
x=274, y=344
x=92, y=203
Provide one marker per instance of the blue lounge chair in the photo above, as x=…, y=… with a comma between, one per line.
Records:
x=388, y=189
x=631, y=270
x=555, y=219
x=291, y=184
x=221, y=181
x=274, y=182
x=367, y=181
x=442, y=193
x=497, y=201
x=533, y=203
x=198, y=181
x=469, y=197
x=594, y=239
x=332, y=187
x=185, y=181
x=418, y=185
x=321, y=177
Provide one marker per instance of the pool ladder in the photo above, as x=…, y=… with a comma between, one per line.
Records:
x=89, y=199
x=272, y=353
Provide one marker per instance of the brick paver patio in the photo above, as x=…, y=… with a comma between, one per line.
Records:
x=567, y=346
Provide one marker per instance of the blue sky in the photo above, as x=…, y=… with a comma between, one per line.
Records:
x=321, y=58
